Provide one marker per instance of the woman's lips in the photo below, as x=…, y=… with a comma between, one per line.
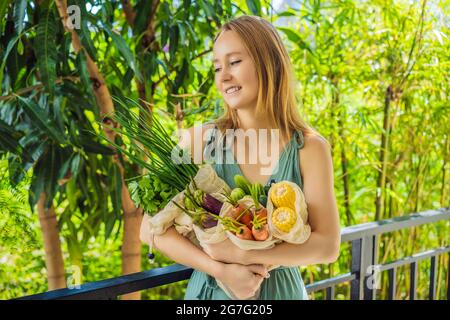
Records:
x=233, y=90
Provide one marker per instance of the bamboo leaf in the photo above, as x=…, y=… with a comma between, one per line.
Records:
x=124, y=50
x=254, y=6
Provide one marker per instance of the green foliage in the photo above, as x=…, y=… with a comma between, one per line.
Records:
x=349, y=58
x=150, y=194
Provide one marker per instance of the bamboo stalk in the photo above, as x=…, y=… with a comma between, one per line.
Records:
x=389, y=96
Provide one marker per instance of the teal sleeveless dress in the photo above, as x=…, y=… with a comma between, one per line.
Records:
x=284, y=283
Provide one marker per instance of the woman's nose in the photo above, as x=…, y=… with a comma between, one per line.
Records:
x=225, y=75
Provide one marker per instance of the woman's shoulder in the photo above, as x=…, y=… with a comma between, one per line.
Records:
x=316, y=151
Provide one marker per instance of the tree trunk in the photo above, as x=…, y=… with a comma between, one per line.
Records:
x=131, y=245
x=52, y=245
x=131, y=262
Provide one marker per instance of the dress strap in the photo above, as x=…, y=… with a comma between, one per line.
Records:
x=299, y=139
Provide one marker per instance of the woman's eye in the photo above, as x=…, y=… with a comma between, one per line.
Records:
x=235, y=62
x=216, y=69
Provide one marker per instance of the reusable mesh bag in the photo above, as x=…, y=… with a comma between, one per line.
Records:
x=301, y=230
x=207, y=180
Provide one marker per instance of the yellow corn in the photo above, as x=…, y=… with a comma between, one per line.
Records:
x=282, y=195
x=284, y=219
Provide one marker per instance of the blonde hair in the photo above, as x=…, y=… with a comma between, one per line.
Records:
x=276, y=95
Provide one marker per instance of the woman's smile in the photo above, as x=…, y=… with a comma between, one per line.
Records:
x=233, y=90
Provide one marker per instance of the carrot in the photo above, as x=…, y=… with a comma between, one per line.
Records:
x=236, y=211
x=261, y=213
x=247, y=219
x=261, y=233
x=244, y=233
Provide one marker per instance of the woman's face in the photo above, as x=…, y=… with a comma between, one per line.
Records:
x=235, y=72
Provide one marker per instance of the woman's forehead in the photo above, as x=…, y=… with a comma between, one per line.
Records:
x=228, y=43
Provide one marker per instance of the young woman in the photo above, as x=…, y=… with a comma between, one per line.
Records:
x=253, y=74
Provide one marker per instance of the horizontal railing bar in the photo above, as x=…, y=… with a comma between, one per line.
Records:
x=113, y=287
x=394, y=224
x=324, y=284
x=414, y=258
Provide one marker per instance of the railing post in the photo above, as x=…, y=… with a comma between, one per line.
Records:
x=364, y=251
x=392, y=283
x=370, y=260
x=355, y=287
x=433, y=273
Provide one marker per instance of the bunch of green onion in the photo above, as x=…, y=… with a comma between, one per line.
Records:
x=148, y=137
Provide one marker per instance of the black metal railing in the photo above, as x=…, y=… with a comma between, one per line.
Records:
x=364, y=252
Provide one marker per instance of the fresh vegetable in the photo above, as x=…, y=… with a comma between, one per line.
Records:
x=284, y=219
x=244, y=233
x=243, y=183
x=236, y=211
x=150, y=194
x=189, y=204
x=260, y=229
x=200, y=216
x=260, y=233
x=256, y=190
x=211, y=204
x=247, y=218
x=198, y=196
x=236, y=194
x=282, y=195
x=207, y=220
x=262, y=213
x=169, y=163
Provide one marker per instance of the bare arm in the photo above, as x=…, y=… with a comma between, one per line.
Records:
x=180, y=249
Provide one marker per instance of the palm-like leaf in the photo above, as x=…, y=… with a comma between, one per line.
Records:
x=46, y=48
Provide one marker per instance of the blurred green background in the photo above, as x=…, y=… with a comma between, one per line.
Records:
x=372, y=77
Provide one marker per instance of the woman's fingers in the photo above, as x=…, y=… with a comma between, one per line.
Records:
x=259, y=269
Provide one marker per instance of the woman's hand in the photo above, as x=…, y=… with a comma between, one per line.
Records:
x=243, y=281
x=226, y=251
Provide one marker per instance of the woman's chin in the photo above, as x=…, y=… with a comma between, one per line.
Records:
x=236, y=106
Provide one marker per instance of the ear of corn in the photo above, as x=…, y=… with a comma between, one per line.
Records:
x=282, y=195
x=284, y=219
